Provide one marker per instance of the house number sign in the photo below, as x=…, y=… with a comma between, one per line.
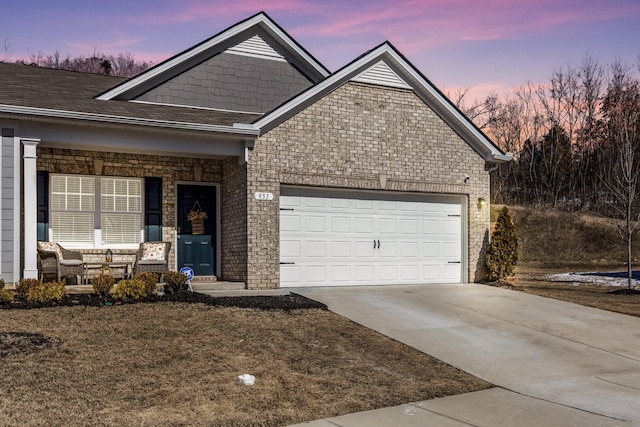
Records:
x=263, y=196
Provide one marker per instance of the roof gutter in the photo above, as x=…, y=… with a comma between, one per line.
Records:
x=124, y=120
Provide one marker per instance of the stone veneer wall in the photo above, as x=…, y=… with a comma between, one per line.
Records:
x=170, y=169
x=361, y=136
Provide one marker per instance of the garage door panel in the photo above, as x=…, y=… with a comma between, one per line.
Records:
x=316, y=273
x=409, y=272
x=290, y=248
x=430, y=272
x=388, y=249
x=341, y=273
x=450, y=272
x=450, y=227
x=290, y=222
x=364, y=225
x=388, y=272
x=340, y=224
x=364, y=249
x=340, y=249
x=431, y=249
x=315, y=224
x=366, y=205
x=450, y=250
x=388, y=225
x=316, y=249
x=364, y=273
x=290, y=274
x=430, y=226
x=409, y=226
x=334, y=238
x=410, y=249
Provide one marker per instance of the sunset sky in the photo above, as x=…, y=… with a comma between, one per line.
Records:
x=485, y=45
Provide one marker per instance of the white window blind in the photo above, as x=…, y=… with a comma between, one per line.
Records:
x=72, y=228
x=96, y=211
x=121, y=210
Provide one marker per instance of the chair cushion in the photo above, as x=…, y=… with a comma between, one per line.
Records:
x=153, y=251
x=151, y=262
x=50, y=247
x=71, y=261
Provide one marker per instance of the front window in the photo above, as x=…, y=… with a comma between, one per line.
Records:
x=96, y=212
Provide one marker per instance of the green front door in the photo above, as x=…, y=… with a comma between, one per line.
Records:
x=196, y=245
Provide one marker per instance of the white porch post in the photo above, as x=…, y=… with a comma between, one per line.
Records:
x=30, y=180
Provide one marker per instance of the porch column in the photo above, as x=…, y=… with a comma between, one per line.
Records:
x=30, y=181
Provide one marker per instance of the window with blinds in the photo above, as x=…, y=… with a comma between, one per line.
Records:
x=93, y=212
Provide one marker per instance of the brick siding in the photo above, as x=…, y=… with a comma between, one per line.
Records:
x=361, y=136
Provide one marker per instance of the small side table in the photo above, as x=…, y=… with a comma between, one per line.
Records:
x=112, y=265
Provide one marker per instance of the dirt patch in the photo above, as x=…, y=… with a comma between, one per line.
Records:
x=21, y=343
x=167, y=363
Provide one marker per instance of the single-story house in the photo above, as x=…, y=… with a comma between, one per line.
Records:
x=367, y=175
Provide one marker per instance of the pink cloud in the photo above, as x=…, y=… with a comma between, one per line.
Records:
x=200, y=10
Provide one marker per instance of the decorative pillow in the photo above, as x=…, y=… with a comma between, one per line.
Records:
x=50, y=247
x=152, y=252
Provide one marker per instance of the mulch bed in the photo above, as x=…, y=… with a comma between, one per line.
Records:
x=276, y=302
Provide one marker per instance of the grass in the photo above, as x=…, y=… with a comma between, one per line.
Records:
x=598, y=296
x=176, y=364
x=553, y=241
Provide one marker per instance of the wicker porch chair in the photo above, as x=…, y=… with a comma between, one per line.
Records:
x=54, y=260
x=152, y=257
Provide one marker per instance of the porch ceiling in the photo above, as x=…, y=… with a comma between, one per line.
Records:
x=136, y=139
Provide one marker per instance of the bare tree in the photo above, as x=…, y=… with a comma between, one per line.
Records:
x=124, y=64
x=621, y=173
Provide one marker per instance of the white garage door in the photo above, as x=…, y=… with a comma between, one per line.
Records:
x=343, y=238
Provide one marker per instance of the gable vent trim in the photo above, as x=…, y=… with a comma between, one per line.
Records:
x=256, y=47
x=381, y=74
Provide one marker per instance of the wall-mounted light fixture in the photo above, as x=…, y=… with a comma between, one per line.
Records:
x=466, y=179
x=481, y=203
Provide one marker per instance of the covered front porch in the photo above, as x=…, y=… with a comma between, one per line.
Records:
x=94, y=190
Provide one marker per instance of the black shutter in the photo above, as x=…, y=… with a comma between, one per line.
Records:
x=43, y=206
x=153, y=209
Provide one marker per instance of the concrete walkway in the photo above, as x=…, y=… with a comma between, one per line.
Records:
x=555, y=363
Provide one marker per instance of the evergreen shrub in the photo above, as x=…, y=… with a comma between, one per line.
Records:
x=129, y=290
x=103, y=284
x=175, y=281
x=48, y=293
x=24, y=285
x=150, y=281
x=502, y=255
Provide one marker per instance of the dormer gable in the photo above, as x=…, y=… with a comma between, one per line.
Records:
x=252, y=67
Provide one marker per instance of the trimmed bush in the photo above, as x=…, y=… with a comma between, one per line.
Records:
x=24, y=285
x=175, y=281
x=6, y=296
x=102, y=284
x=150, y=281
x=129, y=290
x=502, y=255
x=48, y=293
x=2, y=283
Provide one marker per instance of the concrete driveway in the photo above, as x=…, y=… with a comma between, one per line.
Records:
x=558, y=359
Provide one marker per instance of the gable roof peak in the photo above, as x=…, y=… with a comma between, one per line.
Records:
x=258, y=23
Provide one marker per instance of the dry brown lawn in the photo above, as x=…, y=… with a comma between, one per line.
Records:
x=176, y=364
x=533, y=281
